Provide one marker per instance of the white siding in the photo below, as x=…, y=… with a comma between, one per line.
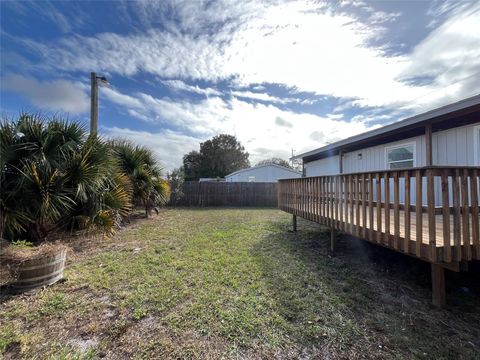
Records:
x=263, y=174
x=327, y=166
x=450, y=147
x=374, y=158
x=454, y=146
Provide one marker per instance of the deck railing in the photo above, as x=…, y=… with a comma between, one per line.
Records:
x=429, y=212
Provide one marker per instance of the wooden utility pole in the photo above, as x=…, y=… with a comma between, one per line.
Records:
x=93, y=104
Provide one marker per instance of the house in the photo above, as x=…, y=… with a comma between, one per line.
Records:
x=455, y=140
x=412, y=186
x=263, y=173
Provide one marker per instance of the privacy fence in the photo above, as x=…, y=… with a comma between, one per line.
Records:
x=228, y=194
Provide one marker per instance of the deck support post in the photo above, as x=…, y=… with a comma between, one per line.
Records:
x=333, y=238
x=294, y=223
x=438, y=286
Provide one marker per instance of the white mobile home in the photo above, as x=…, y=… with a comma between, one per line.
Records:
x=412, y=186
x=455, y=141
x=263, y=173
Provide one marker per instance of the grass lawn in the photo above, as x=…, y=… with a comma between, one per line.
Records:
x=235, y=283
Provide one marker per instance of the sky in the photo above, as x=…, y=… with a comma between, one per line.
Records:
x=279, y=75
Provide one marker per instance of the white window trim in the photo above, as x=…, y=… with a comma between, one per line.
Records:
x=393, y=147
x=476, y=145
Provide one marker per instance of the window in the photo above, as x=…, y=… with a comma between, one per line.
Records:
x=401, y=156
x=251, y=179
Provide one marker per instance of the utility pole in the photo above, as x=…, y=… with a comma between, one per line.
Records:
x=94, y=81
x=93, y=104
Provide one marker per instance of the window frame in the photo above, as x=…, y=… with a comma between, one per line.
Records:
x=476, y=145
x=398, y=146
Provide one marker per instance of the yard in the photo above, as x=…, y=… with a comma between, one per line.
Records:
x=236, y=283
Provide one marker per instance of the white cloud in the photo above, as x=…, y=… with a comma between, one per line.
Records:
x=305, y=46
x=451, y=56
x=264, y=130
x=56, y=95
x=264, y=97
x=121, y=99
x=169, y=146
x=179, y=85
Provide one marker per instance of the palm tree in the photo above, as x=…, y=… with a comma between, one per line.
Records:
x=53, y=177
x=140, y=165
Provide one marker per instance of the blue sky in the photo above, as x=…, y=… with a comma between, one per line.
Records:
x=277, y=74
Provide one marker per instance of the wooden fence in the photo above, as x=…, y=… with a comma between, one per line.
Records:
x=228, y=194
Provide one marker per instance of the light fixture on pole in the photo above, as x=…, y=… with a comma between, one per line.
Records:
x=94, y=82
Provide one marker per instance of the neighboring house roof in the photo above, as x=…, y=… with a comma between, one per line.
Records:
x=410, y=127
x=217, y=179
x=262, y=166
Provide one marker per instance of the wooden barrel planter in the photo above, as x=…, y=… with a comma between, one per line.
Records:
x=38, y=272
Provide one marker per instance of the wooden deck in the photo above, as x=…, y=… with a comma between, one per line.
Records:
x=362, y=229
x=348, y=203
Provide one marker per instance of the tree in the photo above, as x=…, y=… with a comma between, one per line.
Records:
x=176, y=179
x=276, y=161
x=54, y=177
x=219, y=156
x=142, y=169
x=192, y=164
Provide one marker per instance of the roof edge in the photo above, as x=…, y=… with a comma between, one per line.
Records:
x=431, y=114
x=260, y=166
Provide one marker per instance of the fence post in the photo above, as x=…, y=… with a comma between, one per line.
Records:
x=294, y=222
x=333, y=239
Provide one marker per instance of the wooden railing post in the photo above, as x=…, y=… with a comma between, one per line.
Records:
x=457, y=240
x=379, y=208
x=396, y=210
x=370, y=207
x=447, y=250
x=431, y=215
x=407, y=224
x=418, y=213
x=475, y=215
x=467, y=252
x=387, y=208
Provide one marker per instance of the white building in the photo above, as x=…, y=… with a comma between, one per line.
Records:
x=447, y=136
x=263, y=173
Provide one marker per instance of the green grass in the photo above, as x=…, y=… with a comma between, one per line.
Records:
x=213, y=283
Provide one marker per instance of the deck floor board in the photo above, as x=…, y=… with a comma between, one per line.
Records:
x=439, y=233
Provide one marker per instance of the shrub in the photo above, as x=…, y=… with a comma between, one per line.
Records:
x=141, y=167
x=54, y=177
